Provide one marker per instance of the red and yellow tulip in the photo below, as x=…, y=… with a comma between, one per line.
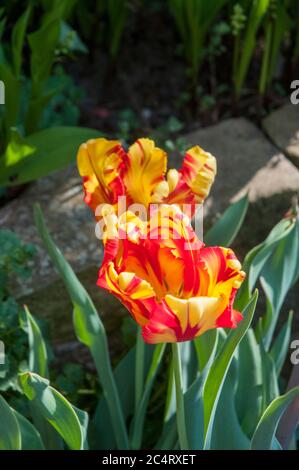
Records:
x=174, y=287
x=108, y=172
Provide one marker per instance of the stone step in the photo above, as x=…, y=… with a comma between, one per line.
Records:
x=282, y=127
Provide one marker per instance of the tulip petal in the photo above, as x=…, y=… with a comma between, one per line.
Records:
x=191, y=185
x=145, y=169
x=135, y=293
x=101, y=165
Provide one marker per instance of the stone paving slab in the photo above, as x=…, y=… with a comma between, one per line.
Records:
x=68, y=219
x=282, y=127
x=248, y=162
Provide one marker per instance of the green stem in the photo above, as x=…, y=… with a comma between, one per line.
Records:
x=138, y=421
x=236, y=56
x=181, y=422
x=100, y=354
x=264, y=77
x=139, y=370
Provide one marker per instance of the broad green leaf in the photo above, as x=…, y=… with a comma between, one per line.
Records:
x=10, y=435
x=256, y=259
x=56, y=147
x=38, y=358
x=18, y=36
x=89, y=330
x=226, y=228
x=31, y=439
x=264, y=434
x=249, y=383
x=42, y=44
x=206, y=347
x=84, y=422
x=258, y=9
x=281, y=344
x=232, y=437
x=278, y=275
x=17, y=149
x=54, y=408
x=217, y=373
x=194, y=418
x=124, y=375
x=270, y=389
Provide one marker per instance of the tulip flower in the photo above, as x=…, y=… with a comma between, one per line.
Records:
x=174, y=287
x=108, y=172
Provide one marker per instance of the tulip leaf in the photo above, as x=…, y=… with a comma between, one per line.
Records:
x=194, y=419
x=226, y=228
x=54, y=148
x=31, y=439
x=205, y=347
x=217, y=373
x=249, y=388
x=270, y=388
x=256, y=259
x=193, y=402
x=89, y=330
x=84, y=422
x=10, y=434
x=233, y=438
x=18, y=36
x=124, y=375
x=38, y=358
x=279, y=274
x=138, y=422
x=38, y=363
x=281, y=344
x=57, y=411
x=264, y=435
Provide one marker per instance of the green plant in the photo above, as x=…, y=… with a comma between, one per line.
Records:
x=117, y=14
x=231, y=376
x=26, y=97
x=63, y=108
x=246, y=20
x=14, y=259
x=277, y=23
x=193, y=19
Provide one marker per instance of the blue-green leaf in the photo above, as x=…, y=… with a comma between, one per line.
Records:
x=217, y=373
x=54, y=408
x=31, y=439
x=10, y=435
x=226, y=228
x=265, y=431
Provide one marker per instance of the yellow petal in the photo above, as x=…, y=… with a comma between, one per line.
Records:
x=199, y=169
x=145, y=168
x=200, y=312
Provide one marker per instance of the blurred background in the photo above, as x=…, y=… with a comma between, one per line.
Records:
x=217, y=73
